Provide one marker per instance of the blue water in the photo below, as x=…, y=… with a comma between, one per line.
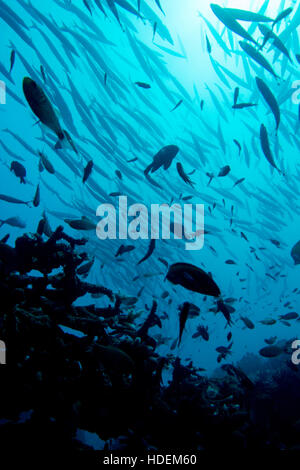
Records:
x=112, y=123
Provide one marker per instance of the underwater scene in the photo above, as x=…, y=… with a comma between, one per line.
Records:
x=149, y=228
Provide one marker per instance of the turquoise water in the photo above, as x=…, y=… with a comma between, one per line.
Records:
x=112, y=121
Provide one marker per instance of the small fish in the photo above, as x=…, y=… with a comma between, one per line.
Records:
x=87, y=5
x=270, y=99
x=282, y=15
x=18, y=170
x=124, y=249
x=13, y=222
x=295, y=253
x=163, y=158
x=265, y=145
x=176, y=106
x=159, y=6
x=143, y=85
x=239, y=182
x=224, y=308
x=43, y=73
x=270, y=340
x=154, y=30
x=229, y=21
x=81, y=224
x=236, y=95
x=37, y=199
x=270, y=351
x=224, y=171
x=249, y=324
x=268, y=321
x=41, y=107
x=203, y=332
x=289, y=316
x=238, y=145
x=119, y=174
x=243, y=105
x=257, y=57
x=183, y=316
x=149, y=252
x=208, y=45
x=13, y=200
x=192, y=278
x=12, y=60
x=183, y=175
x=46, y=163
x=87, y=171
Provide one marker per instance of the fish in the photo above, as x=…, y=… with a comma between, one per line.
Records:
x=81, y=224
x=225, y=309
x=208, y=45
x=270, y=351
x=159, y=6
x=243, y=105
x=236, y=95
x=42, y=107
x=13, y=200
x=270, y=99
x=244, y=15
x=192, y=278
x=149, y=252
x=224, y=171
x=177, y=105
x=239, y=181
x=163, y=158
x=42, y=70
x=13, y=222
x=257, y=57
x=249, y=324
x=270, y=340
x=265, y=145
x=124, y=249
x=282, y=15
x=183, y=316
x=228, y=20
x=46, y=163
x=87, y=5
x=238, y=145
x=276, y=41
x=12, y=60
x=289, y=316
x=19, y=170
x=268, y=321
x=37, y=197
x=183, y=175
x=143, y=85
x=87, y=170
x=295, y=253
x=201, y=331
x=119, y=174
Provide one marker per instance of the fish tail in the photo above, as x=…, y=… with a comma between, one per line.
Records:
x=2, y=222
x=148, y=169
x=22, y=180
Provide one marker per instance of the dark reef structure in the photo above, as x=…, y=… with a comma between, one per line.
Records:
x=55, y=382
